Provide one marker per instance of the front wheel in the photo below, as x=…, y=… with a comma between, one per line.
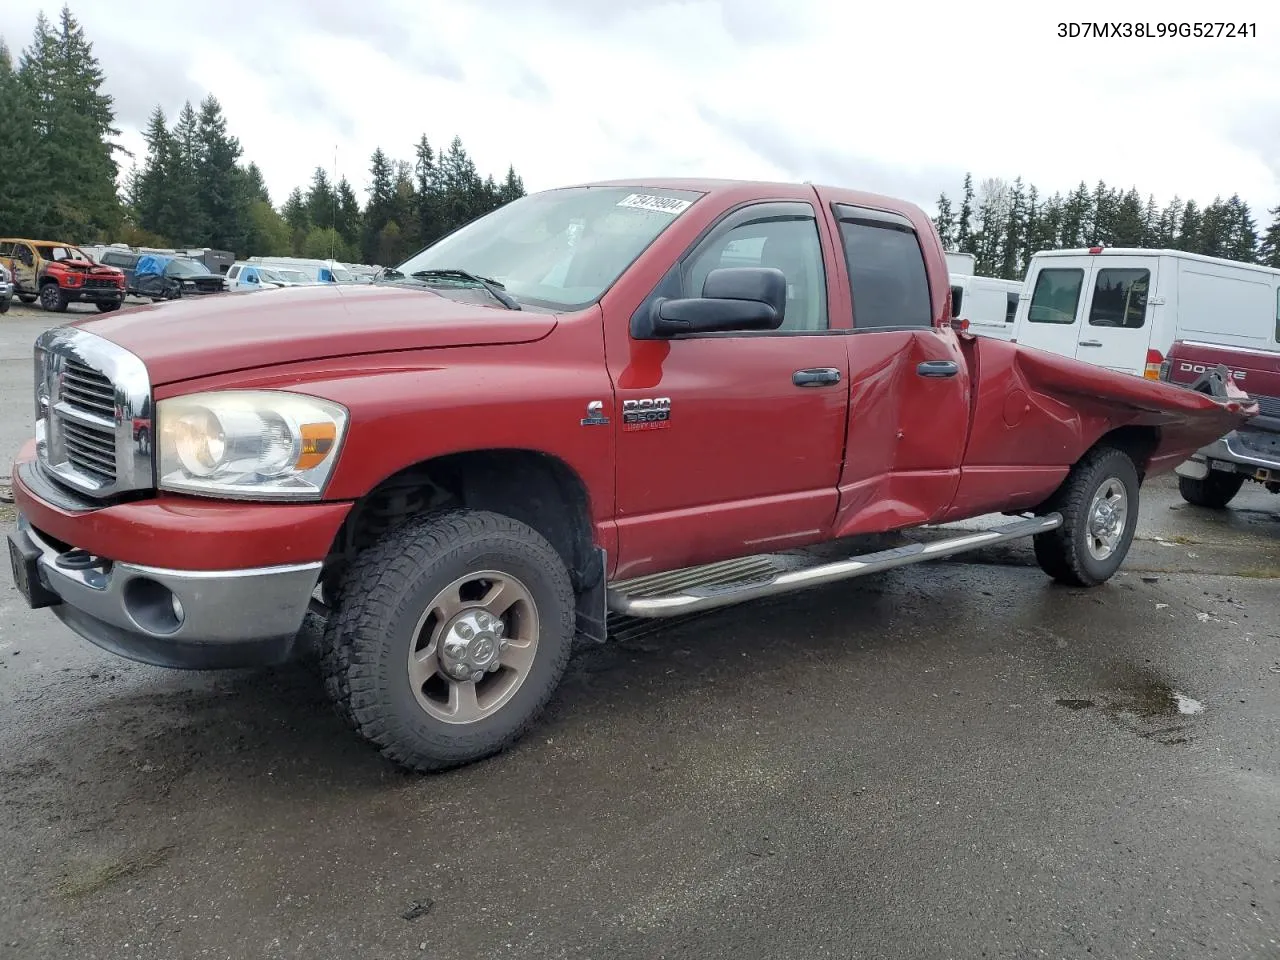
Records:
x=1214, y=491
x=53, y=298
x=1099, y=506
x=107, y=306
x=450, y=635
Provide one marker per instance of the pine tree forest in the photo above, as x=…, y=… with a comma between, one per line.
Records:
x=68, y=178
x=1002, y=224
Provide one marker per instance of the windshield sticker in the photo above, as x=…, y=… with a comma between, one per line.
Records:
x=642, y=201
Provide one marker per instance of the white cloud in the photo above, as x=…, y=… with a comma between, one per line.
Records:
x=900, y=98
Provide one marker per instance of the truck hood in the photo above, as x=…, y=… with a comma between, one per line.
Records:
x=184, y=339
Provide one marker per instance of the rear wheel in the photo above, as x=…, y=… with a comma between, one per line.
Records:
x=1215, y=491
x=27, y=297
x=107, y=307
x=53, y=298
x=1099, y=507
x=450, y=635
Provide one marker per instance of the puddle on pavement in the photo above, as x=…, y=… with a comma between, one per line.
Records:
x=1139, y=699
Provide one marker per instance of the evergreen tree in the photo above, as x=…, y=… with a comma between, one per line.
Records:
x=945, y=222
x=378, y=210
x=1188, y=237
x=26, y=211
x=1151, y=223
x=322, y=201
x=964, y=227
x=182, y=180
x=1213, y=230
x=1077, y=215
x=1242, y=231
x=1269, y=249
x=427, y=193
x=151, y=200
x=297, y=219
x=224, y=202
x=512, y=187
x=255, y=184
x=348, y=224
x=74, y=124
x=1128, y=221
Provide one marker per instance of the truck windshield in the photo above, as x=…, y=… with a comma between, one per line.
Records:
x=558, y=249
x=186, y=268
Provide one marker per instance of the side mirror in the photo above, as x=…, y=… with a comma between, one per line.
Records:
x=733, y=298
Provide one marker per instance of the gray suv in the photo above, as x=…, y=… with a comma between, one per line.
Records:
x=6, y=288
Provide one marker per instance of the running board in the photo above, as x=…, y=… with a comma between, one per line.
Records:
x=697, y=597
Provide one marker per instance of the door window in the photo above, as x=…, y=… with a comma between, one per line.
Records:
x=1120, y=298
x=1056, y=296
x=1011, y=307
x=791, y=244
x=887, y=275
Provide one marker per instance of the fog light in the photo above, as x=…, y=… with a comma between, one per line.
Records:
x=177, y=607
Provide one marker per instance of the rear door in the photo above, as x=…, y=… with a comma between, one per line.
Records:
x=908, y=381
x=24, y=268
x=1056, y=289
x=1116, y=330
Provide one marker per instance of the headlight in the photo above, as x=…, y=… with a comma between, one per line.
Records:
x=248, y=444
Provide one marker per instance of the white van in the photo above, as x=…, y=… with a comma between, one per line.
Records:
x=321, y=271
x=989, y=305
x=961, y=264
x=1123, y=308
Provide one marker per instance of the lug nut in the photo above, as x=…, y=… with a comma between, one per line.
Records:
x=503, y=644
x=493, y=667
x=465, y=631
x=478, y=675
x=482, y=619
x=454, y=649
x=499, y=628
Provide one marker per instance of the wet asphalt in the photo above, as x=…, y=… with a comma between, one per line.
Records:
x=956, y=760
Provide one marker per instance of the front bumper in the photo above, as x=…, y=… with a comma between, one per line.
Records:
x=94, y=294
x=6, y=291
x=1256, y=454
x=221, y=619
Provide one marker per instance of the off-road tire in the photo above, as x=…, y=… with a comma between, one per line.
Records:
x=53, y=298
x=107, y=307
x=1063, y=553
x=4, y=305
x=365, y=648
x=1213, y=492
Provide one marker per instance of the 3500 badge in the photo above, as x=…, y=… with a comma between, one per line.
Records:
x=648, y=414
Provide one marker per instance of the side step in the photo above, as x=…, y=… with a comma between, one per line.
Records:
x=699, y=593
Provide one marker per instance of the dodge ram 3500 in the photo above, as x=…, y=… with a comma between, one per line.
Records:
x=499, y=443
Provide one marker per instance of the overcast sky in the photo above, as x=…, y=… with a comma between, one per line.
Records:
x=899, y=98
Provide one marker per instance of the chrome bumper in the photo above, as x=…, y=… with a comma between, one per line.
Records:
x=186, y=619
x=1228, y=449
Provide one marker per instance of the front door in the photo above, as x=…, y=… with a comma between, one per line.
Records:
x=24, y=264
x=732, y=443
x=1115, y=331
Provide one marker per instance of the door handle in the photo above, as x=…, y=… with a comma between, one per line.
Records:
x=816, y=377
x=1090, y=343
x=938, y=368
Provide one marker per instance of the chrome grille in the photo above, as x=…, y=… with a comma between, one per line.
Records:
x=1268, y=406
x=93, y=406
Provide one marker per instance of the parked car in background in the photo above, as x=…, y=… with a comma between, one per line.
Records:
x=321, y=271
x=961, y=264
x=124, y=260
x=1123, y=308
x=985, y=306
x=6, y=288
x=58, y=274
x=1215, y=474
x=247, y=277
x=168, y=278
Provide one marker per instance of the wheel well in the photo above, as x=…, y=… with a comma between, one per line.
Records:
x=533, y=488
x=1138, y=442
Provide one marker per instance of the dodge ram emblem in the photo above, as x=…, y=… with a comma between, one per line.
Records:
x=648, y=414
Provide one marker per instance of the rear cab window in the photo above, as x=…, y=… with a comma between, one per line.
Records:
x=1056, y=296
x=957, y=300
x=887, y=275
x=1120, y=298
x=1011, y=307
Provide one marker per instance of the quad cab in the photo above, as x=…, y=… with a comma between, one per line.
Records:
x=625, y=399
x=58, y=274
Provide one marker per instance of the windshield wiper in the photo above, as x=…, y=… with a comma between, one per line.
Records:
x=496, y=290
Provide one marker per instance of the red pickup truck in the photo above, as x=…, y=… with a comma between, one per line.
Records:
x=1212, y=476
x=502, y=441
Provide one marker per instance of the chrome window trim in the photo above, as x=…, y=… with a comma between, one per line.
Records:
x=132, y=396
